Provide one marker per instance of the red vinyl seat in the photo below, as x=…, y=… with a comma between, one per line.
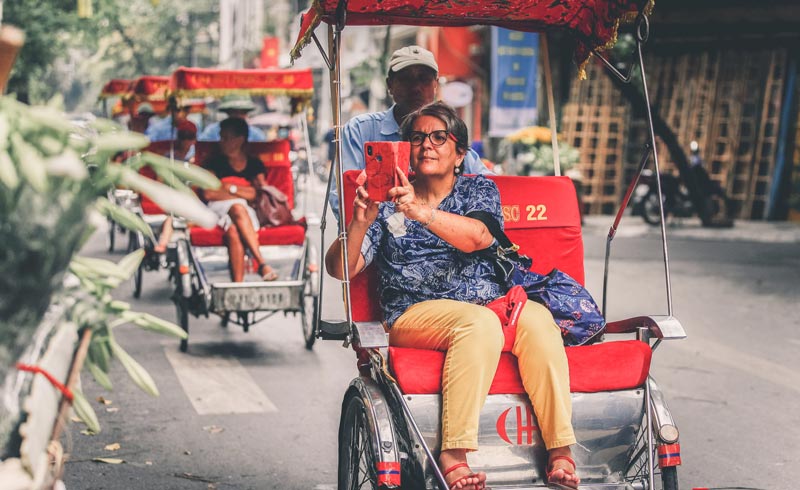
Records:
x=148, y=206
x=278, y=235
x=541, y=216
x=601, y=367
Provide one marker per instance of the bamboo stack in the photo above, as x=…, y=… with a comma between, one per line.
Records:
x=728, y=100
x=594, y=122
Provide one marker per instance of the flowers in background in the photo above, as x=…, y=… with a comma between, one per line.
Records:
x=530, y=152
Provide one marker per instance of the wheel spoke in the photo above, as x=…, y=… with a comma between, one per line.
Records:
x=356, y=464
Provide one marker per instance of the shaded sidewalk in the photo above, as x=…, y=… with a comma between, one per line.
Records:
x=691, y=229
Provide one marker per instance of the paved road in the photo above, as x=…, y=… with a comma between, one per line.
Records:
x=257, y=411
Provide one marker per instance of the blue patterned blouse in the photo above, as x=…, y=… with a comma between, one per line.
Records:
x=421, y=266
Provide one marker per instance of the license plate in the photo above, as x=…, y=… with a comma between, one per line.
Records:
x=253, y=299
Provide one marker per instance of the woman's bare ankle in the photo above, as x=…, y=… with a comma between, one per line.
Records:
x=560, y=451
x=449, y=457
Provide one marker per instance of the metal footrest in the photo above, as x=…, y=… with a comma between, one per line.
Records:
x=333, y=330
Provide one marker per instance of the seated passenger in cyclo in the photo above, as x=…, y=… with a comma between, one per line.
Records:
x=182, y=152
x=426, y=306
x=240, y=174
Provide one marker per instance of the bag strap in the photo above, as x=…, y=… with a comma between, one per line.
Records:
x=505, y=245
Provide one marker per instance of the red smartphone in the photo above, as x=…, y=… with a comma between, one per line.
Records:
x=381, y=158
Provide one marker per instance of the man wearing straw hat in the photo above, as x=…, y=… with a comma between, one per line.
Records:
x=237, y=107
x=412, y=80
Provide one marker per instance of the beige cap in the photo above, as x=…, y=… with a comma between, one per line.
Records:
x=412, y=55
x=235, y=103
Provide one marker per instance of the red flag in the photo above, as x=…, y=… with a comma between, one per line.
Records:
x=269, y=52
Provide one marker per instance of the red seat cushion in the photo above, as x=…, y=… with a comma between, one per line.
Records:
x=149, y=207
x=609, y=366
x=277, y=235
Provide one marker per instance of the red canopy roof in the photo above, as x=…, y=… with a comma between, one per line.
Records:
x=116, y=86
x=150, y=87
x=200, y=82
x=592, y=23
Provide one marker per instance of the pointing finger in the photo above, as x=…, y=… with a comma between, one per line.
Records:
x=403, y=178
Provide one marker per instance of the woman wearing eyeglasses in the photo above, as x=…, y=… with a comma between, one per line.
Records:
x=434, y=287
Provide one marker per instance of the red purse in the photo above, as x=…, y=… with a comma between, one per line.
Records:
x=272, y=207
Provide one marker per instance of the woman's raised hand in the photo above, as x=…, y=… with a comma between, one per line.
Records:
x=365, y=210
x=405, y=198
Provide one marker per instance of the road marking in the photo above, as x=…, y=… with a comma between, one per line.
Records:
x=218, y=385
x=750, y=364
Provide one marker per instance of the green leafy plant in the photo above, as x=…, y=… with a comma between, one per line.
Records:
x=54, y=176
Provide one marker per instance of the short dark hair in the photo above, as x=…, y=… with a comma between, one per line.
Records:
x=235, y=125
x=444, y=113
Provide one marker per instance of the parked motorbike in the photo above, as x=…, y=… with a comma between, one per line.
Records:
x=677, y=200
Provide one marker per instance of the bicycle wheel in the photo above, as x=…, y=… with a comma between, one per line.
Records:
x=112, y=229
x=183, y=290
x=356, y=455
x=182, y=313
x=638, y=471
x=135, y=242
x=309, y=318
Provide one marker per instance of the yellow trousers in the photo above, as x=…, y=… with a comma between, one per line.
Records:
x=473, y=338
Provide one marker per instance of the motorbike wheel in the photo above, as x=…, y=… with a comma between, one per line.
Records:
x=650, y=210
x=357, y=468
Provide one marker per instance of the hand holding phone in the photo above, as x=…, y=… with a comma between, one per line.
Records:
x=382, y=158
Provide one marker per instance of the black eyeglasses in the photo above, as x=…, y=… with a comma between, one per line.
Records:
x=438, y=137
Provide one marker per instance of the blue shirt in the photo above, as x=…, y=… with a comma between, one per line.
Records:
x=161, y=130
x=420, y=266
x=380, y=126
x=211, y=133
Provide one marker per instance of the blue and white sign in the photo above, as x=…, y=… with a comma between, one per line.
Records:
x=514, y=78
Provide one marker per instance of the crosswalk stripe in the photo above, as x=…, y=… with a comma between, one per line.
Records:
x=218, y=385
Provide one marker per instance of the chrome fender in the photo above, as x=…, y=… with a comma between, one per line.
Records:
x=379, y=419
x=663, y=424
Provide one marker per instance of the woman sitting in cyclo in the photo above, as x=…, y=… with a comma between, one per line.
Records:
x=426, y=305
x=240, y=175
